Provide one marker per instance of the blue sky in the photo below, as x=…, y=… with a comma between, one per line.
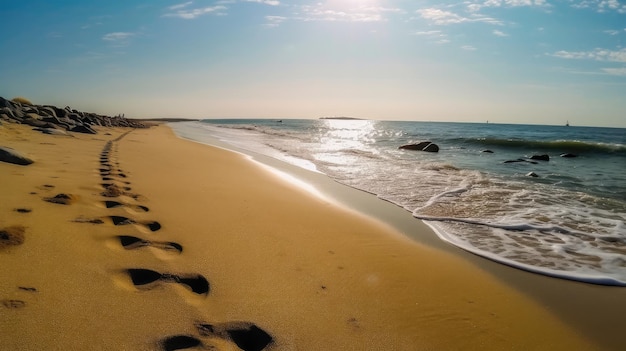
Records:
x=508, y=61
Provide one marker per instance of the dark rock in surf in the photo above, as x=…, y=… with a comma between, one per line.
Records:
x=418, y=146
x=431, y=148
x=519, y=160
x=540, y=157
x=487, y=151
x=532, y=174
x=12, y=156
x=567, y=155
x=421, y=146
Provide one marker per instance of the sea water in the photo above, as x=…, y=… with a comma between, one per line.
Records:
x=568, y=221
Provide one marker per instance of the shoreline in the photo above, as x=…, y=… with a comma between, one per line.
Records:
x=255, y=250
x=592, y=309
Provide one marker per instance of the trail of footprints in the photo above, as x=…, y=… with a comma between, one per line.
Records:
x=245, y=335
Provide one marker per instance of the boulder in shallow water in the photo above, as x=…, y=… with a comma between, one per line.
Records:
x=544, y=157
x=487, y=151
x=431, y=148
x=568, y=155
x=12, y=156
x=532, y=174
x=421, y=146
x=520, y=160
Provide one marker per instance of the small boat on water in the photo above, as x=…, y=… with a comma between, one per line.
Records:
x=567, y=124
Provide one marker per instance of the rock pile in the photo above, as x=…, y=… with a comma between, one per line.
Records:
x=55, y=118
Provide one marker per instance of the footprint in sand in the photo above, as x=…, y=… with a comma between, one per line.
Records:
x=146, y=279
x=180, y=342
x=105, y=170
x=12, y=236
x=133, y=242
x=46, y=187
x=153, y=226
x=247, y=336
x=121, y=220
x=114, y=190
x=61, y=199
x=13, y=304
x=115, y=204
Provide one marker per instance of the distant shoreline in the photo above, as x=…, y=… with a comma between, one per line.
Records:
x=344, y=118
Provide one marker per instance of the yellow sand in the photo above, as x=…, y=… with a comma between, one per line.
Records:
x=313, y=275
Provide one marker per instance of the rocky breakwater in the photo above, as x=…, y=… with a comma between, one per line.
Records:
x=56, y=120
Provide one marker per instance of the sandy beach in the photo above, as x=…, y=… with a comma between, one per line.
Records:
x=135, y=239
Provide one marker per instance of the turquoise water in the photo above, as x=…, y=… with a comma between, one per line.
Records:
x=567, y=222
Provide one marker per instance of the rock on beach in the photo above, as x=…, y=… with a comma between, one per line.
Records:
x=13, y=156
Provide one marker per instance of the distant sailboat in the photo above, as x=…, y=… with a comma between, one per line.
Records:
x=567, y=124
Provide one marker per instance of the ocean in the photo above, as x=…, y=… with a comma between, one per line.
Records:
x=482, y=192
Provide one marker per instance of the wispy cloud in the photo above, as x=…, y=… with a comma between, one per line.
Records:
x=117, y=36
x=324, y=12
x=499, y=33
x=274, y=21
x=54, y=35
x=475, y=6
x=180, y=6
x=616, y=71
x=435, y=36
x=429, y=33
x=468, y=48
x=601, y=55
x=601, y=5
x=595, y=55
x=187, y=13
x=118, y=39
x=612, y=32
x=266, y=2
x=441, y=17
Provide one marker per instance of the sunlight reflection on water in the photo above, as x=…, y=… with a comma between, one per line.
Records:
x=347, y=134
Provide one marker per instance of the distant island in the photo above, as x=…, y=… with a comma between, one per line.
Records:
x=348, y=118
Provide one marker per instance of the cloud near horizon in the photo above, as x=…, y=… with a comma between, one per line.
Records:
x=596, y=55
